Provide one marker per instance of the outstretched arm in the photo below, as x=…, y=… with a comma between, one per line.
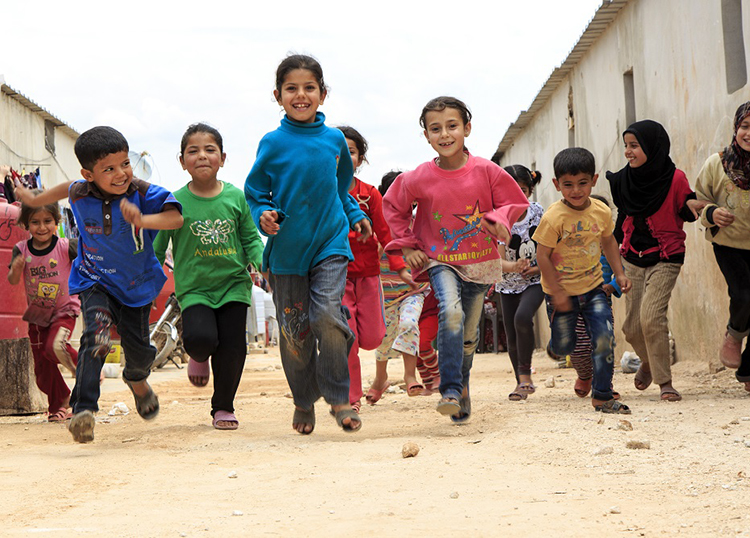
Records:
x=51, y=195
x=169, y=219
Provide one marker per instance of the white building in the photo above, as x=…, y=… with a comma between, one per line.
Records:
x=682, y=63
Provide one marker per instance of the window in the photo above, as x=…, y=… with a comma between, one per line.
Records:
x=627, y=79
x=734, y=44
x=49, y=136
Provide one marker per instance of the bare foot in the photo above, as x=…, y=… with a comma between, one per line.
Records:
x=303, y=421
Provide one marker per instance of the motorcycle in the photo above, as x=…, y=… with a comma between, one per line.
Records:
x=166, y=336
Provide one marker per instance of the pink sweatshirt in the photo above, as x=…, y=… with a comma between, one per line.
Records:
x=451, y=204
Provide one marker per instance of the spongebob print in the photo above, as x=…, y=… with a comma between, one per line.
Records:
x=47, y=290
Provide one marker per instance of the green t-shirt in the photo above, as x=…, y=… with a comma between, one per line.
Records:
x=212, y=250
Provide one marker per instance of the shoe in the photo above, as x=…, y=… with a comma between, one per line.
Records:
x=731, y=352
x=82, y=426
x=613, y=406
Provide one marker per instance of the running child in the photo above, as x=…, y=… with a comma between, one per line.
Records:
x=211, y=255
x=570, y=238
x=464, y=205
x=520, y=291
x=44, y=263
x=363, y=296
x=298, y=192
x=116, y=274
x=724, y=184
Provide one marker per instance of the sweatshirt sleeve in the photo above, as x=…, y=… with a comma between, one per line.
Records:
x=161, y=243
x=508, y=199
x=345, y=175
x=250, y=238
x=397, y=207
x=258, y=187
x=705, y=189
x=381, y=229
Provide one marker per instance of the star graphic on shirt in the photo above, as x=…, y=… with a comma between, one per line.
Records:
x=474, y=217
x=475, y=245
x=437, y=216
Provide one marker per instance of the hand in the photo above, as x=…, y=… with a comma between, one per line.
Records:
x=269, y=222
x=520, y=265
x=405, y=275
x=722, y=217
x=561, y=302
x=624, y=283
x=497, y=229
x=364, y=228
x=18, y=264
x=23, y=195
x=415, y=259
x=531, y=270
x=4, y=171
x=696, y=206
x=131, y=213
x=609, y=289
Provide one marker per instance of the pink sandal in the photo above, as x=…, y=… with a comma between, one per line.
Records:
x=198, y=372
x=373, y=395
x=229, y=418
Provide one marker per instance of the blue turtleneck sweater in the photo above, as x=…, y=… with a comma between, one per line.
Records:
x=303, y=171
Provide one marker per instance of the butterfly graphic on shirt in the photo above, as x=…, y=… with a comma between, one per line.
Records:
x=213, y=231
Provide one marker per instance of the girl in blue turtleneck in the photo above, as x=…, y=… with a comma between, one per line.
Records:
x=298, y=196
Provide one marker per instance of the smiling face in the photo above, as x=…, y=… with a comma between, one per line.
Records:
x=112, y=173
x=202, y=157
x=445, y=130
x=576, y=189
x=743, y=134
x=357, y=159
x=300, y=95
x=633, y=151
x=42, y=227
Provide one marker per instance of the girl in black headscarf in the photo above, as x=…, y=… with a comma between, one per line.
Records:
x=653, y=200
x=724, y=182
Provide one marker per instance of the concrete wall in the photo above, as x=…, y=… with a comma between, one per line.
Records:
x=675, y=50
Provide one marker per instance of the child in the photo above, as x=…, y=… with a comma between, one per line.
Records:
x=653, y=200
x=581, y=355
x=521, y=292
x=115, y=273
x=211, y=253
x=363, y=296
x=724, y=184
x=570, y=238
x=403, y=307
x=298, y=195
x=464, y=203
x=44, y=262
x=427, y=360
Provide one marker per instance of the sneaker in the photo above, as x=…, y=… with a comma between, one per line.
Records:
x=731, y=352
x=82, y=426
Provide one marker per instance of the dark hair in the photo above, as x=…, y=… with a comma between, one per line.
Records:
x=601, y=198
x=201, y=128
x=352, y=134
x=439, y=104
x=388, y=180
x=27, y=211
x=524, y=176
x=300, y=61
x=572, y=161
x=98, y=142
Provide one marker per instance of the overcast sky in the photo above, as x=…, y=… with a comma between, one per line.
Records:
x=149, y=69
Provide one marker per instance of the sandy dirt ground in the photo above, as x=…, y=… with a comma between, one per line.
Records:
x=550, y=466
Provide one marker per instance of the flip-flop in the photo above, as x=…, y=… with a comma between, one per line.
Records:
x=225, y=416
x=516, y=395
x=414, y=389
x=448, y=406
x=613, y=406
x=582, y=387
x=670, y=395
x=465, y=412
x=354, y=419
x=61, y=415
x=526, y=388
x=82, y=426
x=302, y=416
x=148, y=405
x=374, y=395
x=432, y=387
x=198, y=372
x=642, y=380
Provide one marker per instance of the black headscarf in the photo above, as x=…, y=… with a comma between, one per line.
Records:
x=736, y=161
x=640, y=192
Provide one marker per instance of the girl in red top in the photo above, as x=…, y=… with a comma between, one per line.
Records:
x=364, y=294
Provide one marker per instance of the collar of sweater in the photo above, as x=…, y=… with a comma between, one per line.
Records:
x=314, y=128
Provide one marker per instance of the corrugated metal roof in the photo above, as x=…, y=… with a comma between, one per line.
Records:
x=606, y=13
x=31, y=105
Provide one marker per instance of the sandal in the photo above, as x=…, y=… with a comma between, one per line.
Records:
x=414, y=389
x=582, y=387
x=465, y=412
x=448, y=406
x=225, y=416
x=302, y=416
x=432, y=387
x=357, y=406
x=642, y=379
x=374, y=395
x=148, y=405
x=516, y=395
x=526, y=388
x=355, y=422
x=198, y=372
x=670, y=395
x=613, y=406
x=61, y=415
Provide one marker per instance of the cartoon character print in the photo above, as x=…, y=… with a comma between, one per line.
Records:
x=294, y=327
x=47, y=290
x=213, y=231
x=517, y=249
x=473, y=227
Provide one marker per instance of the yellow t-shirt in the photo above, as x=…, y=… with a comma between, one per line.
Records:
x=575, y=237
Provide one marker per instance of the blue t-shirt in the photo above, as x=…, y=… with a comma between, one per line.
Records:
x=112, y=252
x=303, y=171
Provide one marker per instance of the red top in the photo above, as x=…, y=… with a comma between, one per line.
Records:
x=366, y=256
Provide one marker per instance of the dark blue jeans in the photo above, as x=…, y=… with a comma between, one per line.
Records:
x=99, y=311
x=315, y=335
x=594, y=307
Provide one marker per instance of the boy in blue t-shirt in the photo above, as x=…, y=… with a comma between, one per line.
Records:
x=116, y=273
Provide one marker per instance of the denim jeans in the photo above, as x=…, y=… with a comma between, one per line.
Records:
x=460, y=306
x=315, y=336
x=597, y=316
x=99, y=311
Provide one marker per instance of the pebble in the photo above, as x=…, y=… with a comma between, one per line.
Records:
x=237, y=513
x=454, y=495
x=625, y=426
x=409, y=450
x=615, y=510
x=635, y=444
x=183, y=534
x=744, y=419
x=603, y=450
x=232, y=474
x=747, y=443
x=549, y=382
